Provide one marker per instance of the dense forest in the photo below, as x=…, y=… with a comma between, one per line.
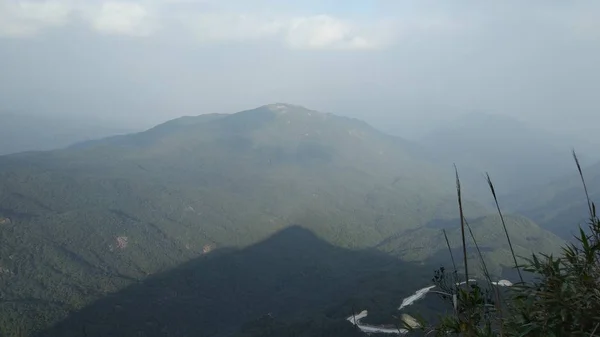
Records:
x=278, y=219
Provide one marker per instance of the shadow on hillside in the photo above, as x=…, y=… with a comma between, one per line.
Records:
x=286, y=276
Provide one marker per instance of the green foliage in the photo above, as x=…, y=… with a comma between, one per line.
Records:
x=561, y=299
x=564, y=300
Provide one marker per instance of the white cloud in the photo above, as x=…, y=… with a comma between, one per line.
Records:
x=123, y=18
x=224, y=27
x=210, y=21
x=27, y=18
x=326, y=32
x=303, y=32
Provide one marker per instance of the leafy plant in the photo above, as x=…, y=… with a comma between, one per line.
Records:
x=562, y=299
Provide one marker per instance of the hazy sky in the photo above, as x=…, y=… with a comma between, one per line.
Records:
x=391, y=62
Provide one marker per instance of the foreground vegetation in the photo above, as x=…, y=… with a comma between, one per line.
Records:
x=555, y=296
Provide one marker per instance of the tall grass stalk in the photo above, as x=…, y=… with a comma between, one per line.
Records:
x=587, y=195
x=454, y=274
x=512, y=251
x=483, y=265
x=462, y=226
x=488, y=277
x=450, y=250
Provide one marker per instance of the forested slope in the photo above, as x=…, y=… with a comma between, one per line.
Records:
x=82, y=223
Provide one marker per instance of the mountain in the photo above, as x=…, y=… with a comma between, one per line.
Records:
x=517, y=155
x=31, y=132
x=427, y=243
x=561, y=205
x=99, y=217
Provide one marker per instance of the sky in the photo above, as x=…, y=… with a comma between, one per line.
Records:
x=401, y=65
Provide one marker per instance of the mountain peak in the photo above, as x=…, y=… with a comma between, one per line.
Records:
x=283, y=106
x=286, y=108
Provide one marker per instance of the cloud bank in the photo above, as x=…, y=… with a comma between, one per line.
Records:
x=397, y=64
x=208, y=22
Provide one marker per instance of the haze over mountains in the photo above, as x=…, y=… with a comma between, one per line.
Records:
x=23, y=131
x=102, y=217
x=559, y=205
x=251, y=218
x=248, y=218
x=517, y=155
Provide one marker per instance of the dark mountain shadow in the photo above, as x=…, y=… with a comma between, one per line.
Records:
x=292, y=276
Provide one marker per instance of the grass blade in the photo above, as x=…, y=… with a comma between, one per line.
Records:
x=587, y=195
x=450, y=250
x=512, y=251
x=462, y=226
x=483, y=265
x=488, y=277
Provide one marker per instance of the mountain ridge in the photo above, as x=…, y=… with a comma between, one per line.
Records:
x=517, y=155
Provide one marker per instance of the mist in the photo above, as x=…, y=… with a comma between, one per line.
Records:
x=406, y=68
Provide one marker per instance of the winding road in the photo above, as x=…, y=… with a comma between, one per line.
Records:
x=419, y=294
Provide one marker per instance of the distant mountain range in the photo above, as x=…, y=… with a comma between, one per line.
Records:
x=34, y=132
x=560, y=205
x=203, y=223
x=516, y=155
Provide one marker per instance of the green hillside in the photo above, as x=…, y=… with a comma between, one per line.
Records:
x=428, y=243
x=81, y=223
